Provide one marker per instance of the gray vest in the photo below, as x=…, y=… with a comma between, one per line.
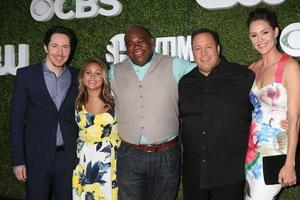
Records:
x=148, y=107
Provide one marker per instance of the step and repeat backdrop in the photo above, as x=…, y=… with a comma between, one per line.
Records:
x=100, y=26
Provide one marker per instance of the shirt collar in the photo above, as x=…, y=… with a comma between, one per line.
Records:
x=137, y=67
x=47, y=70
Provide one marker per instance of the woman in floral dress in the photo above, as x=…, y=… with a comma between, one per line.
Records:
x=275, y=96
x=94, y=177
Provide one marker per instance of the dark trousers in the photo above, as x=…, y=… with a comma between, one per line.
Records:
x=148, y=175
x=54, y=180
x=231, y=192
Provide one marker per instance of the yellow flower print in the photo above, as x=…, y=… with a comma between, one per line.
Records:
x=94, y=131
x=78, y=172
x=82, y=121
x=95, y=189
x=115, y=193
x=103, y=119
x=114, y=130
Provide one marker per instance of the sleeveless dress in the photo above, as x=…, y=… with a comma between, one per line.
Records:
x=95, y=175
x=266, y=137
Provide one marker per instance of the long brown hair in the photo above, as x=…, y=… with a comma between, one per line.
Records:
x=105, y=93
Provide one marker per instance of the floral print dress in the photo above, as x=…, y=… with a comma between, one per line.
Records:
x=94, y=178
x=266, y=137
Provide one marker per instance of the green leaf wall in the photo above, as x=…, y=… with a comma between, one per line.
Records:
x=164, y=18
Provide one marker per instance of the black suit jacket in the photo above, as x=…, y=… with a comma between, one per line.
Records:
x=34, y=119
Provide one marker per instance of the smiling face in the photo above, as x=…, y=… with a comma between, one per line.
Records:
x=263, y=37
x=58, y=51
x=92, y=76
x=139, y=45
x=206, y=52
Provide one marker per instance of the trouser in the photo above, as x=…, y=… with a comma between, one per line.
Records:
x=54, y=180
x=148, y=175
x=231, y=192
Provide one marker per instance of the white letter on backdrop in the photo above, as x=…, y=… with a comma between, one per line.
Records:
x=116, y=10
x=83, y=12
x=59, y=11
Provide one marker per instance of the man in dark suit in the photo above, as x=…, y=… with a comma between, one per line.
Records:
x=43, y=129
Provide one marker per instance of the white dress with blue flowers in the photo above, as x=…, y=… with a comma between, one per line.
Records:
x=94, y=177
x=266, y=137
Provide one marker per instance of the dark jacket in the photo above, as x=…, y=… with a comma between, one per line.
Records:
x=34, y=119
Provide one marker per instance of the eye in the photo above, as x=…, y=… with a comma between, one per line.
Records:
x=265, y=32
x=66, y=47
x=252, y=35
x=87, y=72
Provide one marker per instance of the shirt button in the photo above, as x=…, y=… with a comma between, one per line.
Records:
x=203, y=132
x=204, y=118
x=203, y=160
x=203, y=147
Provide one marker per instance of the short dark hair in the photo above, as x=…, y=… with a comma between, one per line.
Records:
x=62, y=30
x=262, y=14
x=206, y=30
x=146, y=30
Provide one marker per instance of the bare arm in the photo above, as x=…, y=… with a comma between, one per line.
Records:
x=291, y=79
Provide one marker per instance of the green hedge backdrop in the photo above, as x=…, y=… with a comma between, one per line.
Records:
x=163, y=17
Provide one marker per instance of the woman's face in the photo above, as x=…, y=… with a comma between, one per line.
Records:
x=263, y=37
x=92, y=76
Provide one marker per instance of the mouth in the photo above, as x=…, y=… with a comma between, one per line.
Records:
x=261, y=46
x=92, y=82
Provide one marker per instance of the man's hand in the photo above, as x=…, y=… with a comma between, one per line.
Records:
x=284, y=124
x=20, y=173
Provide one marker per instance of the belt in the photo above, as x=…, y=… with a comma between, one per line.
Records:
x=60, y=148
x=154, y=148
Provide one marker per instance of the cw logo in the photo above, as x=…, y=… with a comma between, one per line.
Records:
x=217, y=4
x=9, y=66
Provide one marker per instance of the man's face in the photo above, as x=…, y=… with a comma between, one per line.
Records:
x=206, y=52
x=58, y=50
x=139, y=46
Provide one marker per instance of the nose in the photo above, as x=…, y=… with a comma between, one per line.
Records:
x=60, y=50
x=203, y=52
x=259, y=38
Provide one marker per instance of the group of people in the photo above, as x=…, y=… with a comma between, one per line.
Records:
x=99, y=134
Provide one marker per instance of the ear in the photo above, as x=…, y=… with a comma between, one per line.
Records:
x=46, y=48
x=152, y=40
x=276, y=32
x=219, y=49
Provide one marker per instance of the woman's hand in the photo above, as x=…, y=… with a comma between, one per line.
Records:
x=287, y=175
